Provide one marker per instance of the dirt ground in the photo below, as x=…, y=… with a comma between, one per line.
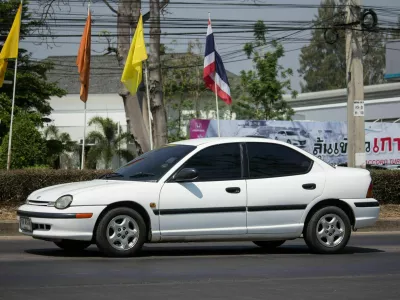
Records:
x=387, y=212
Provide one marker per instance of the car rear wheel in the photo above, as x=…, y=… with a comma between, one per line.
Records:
x=328, y=230
x=121, y=232
x=72, y=245
x=269, y=244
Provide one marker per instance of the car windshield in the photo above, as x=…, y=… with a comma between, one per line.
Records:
x=290, y=133
x=152, y=165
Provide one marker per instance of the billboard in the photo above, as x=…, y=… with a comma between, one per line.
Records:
x=326, y=140
x=392, y=60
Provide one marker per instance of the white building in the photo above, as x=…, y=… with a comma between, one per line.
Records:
x=382, y=103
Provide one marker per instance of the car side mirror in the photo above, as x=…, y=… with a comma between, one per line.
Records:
x=186, y=175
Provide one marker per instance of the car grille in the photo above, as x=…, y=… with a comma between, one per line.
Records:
x=302, y=142
x=39, y=203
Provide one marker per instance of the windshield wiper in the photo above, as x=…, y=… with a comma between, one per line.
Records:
x=141, y=174
x=111, y=175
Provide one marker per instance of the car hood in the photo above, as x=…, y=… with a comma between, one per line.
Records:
x=52, y=193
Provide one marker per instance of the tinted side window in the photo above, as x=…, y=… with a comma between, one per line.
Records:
x=220, y=162
x=273, y=160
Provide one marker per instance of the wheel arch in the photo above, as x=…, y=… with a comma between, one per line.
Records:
x=330, y=202
x=130, y=204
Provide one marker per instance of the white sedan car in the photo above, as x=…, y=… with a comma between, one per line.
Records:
x=211, y=189
x=291, y=137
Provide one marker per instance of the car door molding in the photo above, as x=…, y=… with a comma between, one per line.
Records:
x=184, y=211
x=208, y=210
x=277, y=207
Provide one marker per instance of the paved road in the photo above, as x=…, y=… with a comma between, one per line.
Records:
x=369, y=269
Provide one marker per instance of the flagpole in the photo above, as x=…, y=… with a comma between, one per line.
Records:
x=12, y=116
x=216, y=102
x=84, y=137
x=84, y=118
x=148, y=105
x=12, y=107
x=215, y=87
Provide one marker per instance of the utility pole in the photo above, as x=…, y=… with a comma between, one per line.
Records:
x=355, y=86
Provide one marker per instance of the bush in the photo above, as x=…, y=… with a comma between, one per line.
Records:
x=386, y=186
x=16, y=185
x=28, y=147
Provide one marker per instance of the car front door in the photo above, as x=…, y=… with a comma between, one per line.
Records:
x=281, y=135
x=212, y=204
x=282, y=181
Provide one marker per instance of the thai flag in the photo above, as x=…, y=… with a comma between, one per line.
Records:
x=214, y=73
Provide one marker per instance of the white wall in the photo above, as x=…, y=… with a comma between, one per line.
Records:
x=374, y=109
x=68, y=112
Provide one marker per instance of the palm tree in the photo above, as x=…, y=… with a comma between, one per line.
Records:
x=58, y=145
x=107, y=142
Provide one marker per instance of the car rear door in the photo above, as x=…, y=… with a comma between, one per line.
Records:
x=282, y=182
x=213, y=204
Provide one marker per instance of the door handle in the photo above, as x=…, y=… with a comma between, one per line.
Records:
x=309, y=186
x=233, y=190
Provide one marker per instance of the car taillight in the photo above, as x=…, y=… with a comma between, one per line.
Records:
x=369, y=193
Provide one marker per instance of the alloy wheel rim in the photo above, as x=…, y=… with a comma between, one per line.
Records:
x=330, y=230
x=122, y=232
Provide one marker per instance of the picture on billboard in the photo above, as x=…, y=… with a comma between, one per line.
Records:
x=326, y=140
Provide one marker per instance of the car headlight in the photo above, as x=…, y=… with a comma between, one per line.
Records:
x=63, y=202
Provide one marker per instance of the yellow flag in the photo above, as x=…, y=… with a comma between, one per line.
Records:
x=10, y=47
x=132, y=75
x=3, y=69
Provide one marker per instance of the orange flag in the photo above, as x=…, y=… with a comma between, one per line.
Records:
x=83, y=59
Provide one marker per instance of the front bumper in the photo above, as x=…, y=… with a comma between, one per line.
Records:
x=49, y=223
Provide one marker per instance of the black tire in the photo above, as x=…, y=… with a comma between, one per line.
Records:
x=289, y=141
x=72, y=245
x=101, y=233
x=269, y=244
x=310, y=231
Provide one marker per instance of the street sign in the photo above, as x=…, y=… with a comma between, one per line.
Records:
x=358, y=108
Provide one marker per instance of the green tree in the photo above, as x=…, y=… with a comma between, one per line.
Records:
x=58, y=146
x=261, y=90
x=323, y=65
x=28, y=146
x=33, y=90
x=183, y=88
x=107, y=142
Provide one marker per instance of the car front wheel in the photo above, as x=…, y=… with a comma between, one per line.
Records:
x=328, y=230
x=121, y=232
x=73, y=246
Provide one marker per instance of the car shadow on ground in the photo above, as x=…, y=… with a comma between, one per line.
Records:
x=168, y=250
